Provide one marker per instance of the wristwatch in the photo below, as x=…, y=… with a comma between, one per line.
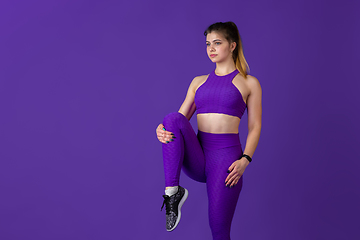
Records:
x=247, y=157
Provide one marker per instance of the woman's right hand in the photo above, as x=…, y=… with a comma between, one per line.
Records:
x=163, y=135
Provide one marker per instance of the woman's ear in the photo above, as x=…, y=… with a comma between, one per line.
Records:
x=233, y=46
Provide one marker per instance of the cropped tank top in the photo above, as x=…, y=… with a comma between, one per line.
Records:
x=219, y=95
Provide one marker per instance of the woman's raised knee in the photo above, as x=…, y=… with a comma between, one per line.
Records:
x=173, y=117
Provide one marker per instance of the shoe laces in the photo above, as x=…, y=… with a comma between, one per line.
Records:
x=166, y=203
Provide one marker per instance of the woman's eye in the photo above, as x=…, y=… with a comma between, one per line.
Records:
x=217, y=43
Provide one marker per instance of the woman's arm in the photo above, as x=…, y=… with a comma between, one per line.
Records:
x=254, y=107
x=254, y=116
x=188, y=107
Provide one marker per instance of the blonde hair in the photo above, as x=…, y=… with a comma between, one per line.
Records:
x=231, y=33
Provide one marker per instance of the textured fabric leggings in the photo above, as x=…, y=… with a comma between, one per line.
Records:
x=204, y=157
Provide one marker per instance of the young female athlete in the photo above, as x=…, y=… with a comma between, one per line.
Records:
x=215, y=154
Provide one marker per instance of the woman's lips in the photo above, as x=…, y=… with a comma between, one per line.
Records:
x=213, y=55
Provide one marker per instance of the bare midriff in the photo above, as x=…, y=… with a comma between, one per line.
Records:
x=218, y=123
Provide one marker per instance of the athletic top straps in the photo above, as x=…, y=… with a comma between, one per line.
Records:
x=219, y=95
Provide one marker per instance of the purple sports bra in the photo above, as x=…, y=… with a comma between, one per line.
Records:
x=219, y=95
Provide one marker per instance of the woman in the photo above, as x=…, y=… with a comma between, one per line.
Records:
x=215, y=154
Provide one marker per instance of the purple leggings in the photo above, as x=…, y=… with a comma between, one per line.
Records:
x=204, y=157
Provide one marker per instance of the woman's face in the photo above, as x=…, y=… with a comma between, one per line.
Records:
x=218, y=48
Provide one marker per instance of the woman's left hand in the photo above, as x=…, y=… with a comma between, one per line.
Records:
x=236, y=170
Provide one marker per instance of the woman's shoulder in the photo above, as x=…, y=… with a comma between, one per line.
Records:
x=251, y=78
x=253, y=82
x=198, y=80
x=201, y=77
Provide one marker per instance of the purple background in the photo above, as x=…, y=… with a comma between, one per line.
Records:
x=84, y=84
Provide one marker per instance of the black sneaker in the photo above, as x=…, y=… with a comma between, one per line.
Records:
x=173, y=207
